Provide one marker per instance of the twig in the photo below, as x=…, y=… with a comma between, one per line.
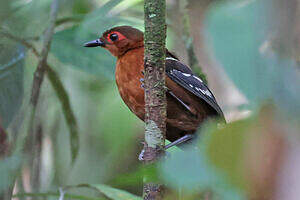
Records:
x=39, y=73
x=39, y=76
x=67, y=110
x=20, y=40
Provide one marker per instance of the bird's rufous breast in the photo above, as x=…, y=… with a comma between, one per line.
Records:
x=128, y=74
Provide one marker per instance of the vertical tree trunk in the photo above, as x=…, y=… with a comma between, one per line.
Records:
x=155, y=97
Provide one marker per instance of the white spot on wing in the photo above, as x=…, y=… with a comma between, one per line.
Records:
x=197, y=78
x=187, y=75
x=170, y=58
x=206, y=92
x=191, y=85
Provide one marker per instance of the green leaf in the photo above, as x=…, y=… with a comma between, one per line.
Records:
x=115, y=194
x=242, y=33
x=30, y=18
x=118, y=126
x=223, y=149
x=69, y=50
x=56, y=194
x=5, y=10
x=237, y=30
x=190, y=171
x=101, y=20
x=8, y=169
x=11, y=81
x=150, y=173
x=107, y=191
x=67, y=110
x=213, y=165
x=110, y=192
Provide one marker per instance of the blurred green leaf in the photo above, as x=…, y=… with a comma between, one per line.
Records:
x=53, y=194
x=224, y=147
x=67, y=45
x=149, y=173
x=114, y=193
x=110, y=192
x=8, y=168
x=98, y=21
x=30, y=17
x=67, y=110
x=119, y=127
x=69, y=50
x=5, y=10
x=101, y=19
x=198, y=169
x=241, y=33
x=11, y=80
x=237, y=30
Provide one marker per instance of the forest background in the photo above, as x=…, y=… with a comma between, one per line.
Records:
x=78, y=130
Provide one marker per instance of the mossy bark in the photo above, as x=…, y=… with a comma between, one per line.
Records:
x=155, y=97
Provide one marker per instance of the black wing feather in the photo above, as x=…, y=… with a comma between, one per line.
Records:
x=183, y=75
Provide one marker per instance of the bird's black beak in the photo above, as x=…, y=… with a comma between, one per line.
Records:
x=95, y=43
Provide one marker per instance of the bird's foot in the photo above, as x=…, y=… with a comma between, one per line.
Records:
x=141, y=156
x=142, y=83
x=150, y=154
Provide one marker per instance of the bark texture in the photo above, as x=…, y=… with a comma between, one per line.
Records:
x=155, y=97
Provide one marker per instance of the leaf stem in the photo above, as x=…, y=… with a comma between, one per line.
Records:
x=39, y=73
x=67, y=110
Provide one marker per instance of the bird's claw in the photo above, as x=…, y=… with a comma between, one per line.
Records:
x=142, y=83
x=141, y=156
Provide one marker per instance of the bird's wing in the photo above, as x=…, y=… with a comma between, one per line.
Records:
x=183, y=76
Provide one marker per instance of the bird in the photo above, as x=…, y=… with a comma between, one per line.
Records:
x=189, y=101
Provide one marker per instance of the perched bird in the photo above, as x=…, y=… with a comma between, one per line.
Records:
x=189, y=101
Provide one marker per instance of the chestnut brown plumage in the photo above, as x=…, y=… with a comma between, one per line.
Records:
x=189, y=101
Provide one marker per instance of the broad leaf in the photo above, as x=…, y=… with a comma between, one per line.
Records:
x=69, y=50
x=113, y=193
x=238, y=30
x=8, y=170
x=11, y=81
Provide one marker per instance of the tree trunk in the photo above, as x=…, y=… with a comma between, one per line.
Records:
x=155, y=97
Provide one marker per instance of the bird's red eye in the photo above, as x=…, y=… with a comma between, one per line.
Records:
x=115, y=36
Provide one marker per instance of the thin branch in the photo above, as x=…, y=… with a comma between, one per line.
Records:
x=20, y=40
x=67, y=110
x=39, y=73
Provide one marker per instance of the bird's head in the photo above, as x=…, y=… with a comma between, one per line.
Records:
x=119, y=40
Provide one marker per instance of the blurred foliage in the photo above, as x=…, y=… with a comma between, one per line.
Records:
x=229, y=162
x=9, y=167
x=239, y=32
x=11, y=80
x=72, y=52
